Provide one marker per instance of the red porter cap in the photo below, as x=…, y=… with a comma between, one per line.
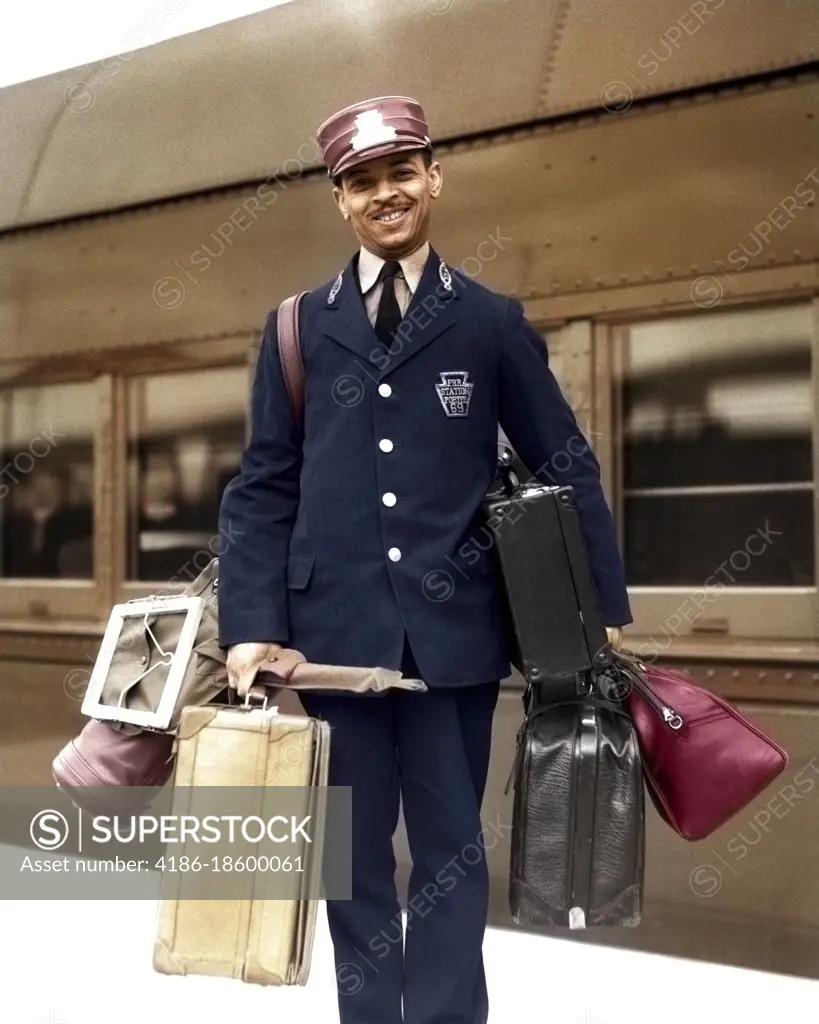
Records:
x=372, y=129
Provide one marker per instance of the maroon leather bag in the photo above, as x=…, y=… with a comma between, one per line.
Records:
x=102, y=757
x=703, y=761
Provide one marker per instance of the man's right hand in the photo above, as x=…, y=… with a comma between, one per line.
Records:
x=244, y=661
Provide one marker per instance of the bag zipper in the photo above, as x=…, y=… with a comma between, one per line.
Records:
x=672, y=719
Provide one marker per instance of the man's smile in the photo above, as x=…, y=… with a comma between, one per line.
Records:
x=391, y=216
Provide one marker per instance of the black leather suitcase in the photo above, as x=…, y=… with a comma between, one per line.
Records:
x=578, y=820
x=553, y=626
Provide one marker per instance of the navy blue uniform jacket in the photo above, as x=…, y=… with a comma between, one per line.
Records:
x=367, y=530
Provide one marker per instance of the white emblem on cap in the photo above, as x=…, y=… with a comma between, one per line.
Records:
x=371, y=131
x=331, y=298
x=455, y=391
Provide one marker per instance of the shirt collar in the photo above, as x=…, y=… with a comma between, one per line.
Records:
x=412, y=267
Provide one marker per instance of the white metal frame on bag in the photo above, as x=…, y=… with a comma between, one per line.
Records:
x=176, y=661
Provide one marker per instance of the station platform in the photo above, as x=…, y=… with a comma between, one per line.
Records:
x=89, y=962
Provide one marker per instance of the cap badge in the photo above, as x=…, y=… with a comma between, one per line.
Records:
x=445, y=276
x=331, y=298
x=371, y=131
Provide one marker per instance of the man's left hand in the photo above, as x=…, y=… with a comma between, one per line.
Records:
x=615, y=635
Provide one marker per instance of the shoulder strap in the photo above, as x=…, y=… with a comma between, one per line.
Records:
x=290, y=353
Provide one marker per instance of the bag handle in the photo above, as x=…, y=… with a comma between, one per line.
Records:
x=290, y=354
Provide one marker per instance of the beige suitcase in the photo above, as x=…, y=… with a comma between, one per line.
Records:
x=263, y=941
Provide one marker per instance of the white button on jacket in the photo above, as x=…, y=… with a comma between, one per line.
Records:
x=384, y=390
x=386, y=445
x=395, y=554
x=389, y=498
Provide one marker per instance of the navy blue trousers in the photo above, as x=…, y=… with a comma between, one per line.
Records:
x=430, y=751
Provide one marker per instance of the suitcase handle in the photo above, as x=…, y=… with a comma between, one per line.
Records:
x=258, y=694
x=509, y=478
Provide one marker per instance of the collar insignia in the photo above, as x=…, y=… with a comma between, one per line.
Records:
x=331, y=298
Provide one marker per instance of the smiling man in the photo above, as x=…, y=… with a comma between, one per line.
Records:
x=348, y=545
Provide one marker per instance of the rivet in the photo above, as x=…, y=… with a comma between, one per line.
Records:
x=735, y=673
x=815, y=677
x=761, y=675
x=144, y=659
x=710, y=673
x=788, y=676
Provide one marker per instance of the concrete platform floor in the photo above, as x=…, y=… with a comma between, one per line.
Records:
x=89, y=962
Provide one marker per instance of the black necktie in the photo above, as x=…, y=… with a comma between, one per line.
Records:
x=389, y=312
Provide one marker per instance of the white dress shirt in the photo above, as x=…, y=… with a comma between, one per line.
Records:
x=369, y=267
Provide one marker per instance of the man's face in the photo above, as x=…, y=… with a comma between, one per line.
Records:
x=159, y=481
x=45, y=492
x=388, y=202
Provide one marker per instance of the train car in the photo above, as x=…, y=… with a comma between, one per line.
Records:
x=644, y=179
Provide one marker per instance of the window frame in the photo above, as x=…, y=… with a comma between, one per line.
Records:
x=239, y=354
x=37, y=605
x=667, y=615
x=39, y=602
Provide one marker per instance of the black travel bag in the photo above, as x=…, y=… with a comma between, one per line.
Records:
x=578, y=819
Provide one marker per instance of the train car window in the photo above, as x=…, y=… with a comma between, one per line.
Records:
x=46, y=483
x=186, y=434
x=717, y=469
